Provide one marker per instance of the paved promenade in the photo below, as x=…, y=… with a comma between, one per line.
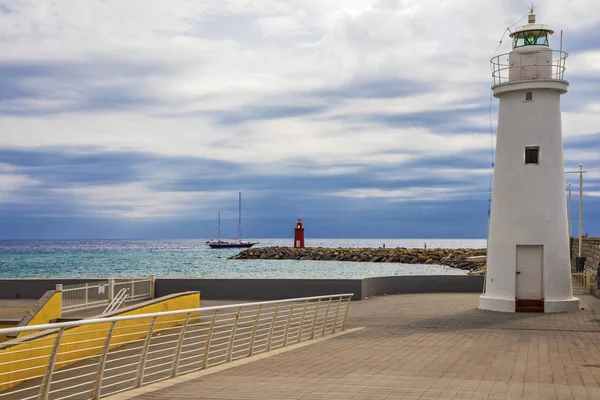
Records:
x=425, y=346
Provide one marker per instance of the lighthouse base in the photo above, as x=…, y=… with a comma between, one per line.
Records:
x=557, y=306
x=509, y=305
x=496, y=304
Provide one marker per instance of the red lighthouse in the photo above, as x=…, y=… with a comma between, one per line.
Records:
x=299, y=235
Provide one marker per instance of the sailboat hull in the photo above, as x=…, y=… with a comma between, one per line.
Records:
x=229, y=245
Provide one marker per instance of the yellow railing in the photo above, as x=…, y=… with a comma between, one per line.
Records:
x=95, y=358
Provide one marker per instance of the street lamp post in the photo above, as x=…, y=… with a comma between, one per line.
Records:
x=580, y=172
x=580, y=209
x=569, y=210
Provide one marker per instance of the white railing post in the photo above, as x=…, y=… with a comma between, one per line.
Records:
x=47, y=379
x=254, y=330
x=58, y=288
x=111, y=289
x=209, y=339
x=175, y=366
x=287, y=326
x=144, y=355
x=272, y=327
x=152, y=285
x=102, y=362
x=312, y=333
x=346, y=314
x=86, y=295
x=302, y=322
x=232, y=337
x=132, y=288
x=326, y=315
x=337, y=310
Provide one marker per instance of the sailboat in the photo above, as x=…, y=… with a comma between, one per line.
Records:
x=231, y=244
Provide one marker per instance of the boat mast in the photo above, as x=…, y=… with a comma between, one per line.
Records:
x=240, y=217
x=219, y=230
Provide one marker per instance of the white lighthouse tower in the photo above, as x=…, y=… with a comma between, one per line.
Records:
x=528, y=262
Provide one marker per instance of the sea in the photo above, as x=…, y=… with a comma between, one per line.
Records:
x=192, y=258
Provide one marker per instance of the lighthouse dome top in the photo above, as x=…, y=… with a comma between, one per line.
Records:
x=531, y=34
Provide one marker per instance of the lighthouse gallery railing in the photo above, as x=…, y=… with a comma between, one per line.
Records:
x=95, y=358
x=552, y=64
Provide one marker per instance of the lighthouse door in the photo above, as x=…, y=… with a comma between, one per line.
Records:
x=529, y=272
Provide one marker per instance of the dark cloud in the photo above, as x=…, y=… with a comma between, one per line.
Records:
x=584, y=142
x=582, y=91
x=271, y=202
x=56, y=168
x=577, y=41
x=4, y=9
x=446, y=120
x=86, y=167
x=93, y=85
x=263, y=112
x=275, y=107
x=368, y=87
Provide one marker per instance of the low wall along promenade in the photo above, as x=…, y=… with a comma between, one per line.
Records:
x=274, y=289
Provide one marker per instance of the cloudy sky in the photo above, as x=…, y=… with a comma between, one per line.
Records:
x=368, y=118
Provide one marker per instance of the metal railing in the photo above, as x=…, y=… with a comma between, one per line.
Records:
x=94, y=358
x=139, y=288
x=582, y=281
x=81, y=296
x=578, y=279
x=539, y=64
x=117, y=301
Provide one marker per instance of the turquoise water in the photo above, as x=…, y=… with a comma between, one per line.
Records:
x=192, y=258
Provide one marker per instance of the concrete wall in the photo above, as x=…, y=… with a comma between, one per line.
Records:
x=422, y=284
x=590, y=250
x=273, y=289
x=258, y=289
x=32, y=288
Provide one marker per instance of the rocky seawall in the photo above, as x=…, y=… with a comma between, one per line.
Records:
x=456, y=258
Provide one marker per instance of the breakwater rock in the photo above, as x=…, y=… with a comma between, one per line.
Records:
x=456, y=258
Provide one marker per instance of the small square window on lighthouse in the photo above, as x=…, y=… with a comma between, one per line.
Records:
x=532, y=155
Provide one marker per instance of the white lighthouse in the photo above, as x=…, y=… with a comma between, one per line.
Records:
x=528, y=262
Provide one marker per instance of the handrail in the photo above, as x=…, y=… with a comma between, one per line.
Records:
x=117, y=301
x=501, y=70
x=71, y=324
x=100, y=357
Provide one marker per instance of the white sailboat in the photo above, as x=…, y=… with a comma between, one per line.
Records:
x=231, y=244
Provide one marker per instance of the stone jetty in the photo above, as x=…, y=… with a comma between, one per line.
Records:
x=456, y=258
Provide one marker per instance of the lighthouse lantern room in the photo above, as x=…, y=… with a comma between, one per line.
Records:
x=528, y=259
